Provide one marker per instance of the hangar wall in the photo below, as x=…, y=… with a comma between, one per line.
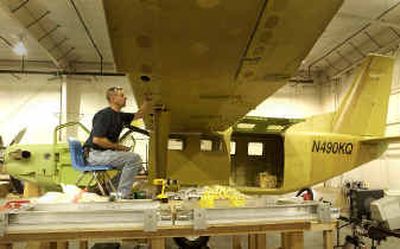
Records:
x=28, y=101
x=37, y=102
x=34, y=102
x=291, y=101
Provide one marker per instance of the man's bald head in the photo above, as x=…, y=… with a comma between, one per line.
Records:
x=116, y=97
x=112, y=91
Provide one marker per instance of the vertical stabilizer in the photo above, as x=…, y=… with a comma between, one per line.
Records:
x=363, y=110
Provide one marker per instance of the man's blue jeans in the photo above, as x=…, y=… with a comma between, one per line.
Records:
x=128, y=162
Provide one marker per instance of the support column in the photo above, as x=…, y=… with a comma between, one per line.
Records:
x=236, y=242
x=159, y=144
x=157, y=243
x=83, y=244
x=292, y=240
x=61, y=245
x=257, y=241
x=70, y=104
x=35, y=245
x=328, y=239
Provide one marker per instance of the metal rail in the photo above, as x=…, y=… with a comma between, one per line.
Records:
x=150, y=216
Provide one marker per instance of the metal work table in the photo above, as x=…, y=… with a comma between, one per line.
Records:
x=59, y=226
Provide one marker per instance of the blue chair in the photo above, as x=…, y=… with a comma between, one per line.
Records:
x=98, y=172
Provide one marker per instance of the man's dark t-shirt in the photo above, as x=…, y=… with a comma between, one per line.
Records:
x=108, y=123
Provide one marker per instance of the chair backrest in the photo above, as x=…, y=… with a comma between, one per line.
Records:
x=76, y=151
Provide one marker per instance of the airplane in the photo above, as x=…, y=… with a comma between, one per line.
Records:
x=297, y=154
x=207, y=68
x=207, y=64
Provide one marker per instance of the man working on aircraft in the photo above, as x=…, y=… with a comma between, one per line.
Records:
x=102, y=145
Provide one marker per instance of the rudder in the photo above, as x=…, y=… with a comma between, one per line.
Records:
x=364, y=109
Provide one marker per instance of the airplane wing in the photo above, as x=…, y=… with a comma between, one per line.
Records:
x=389, y=140
x=209, y=62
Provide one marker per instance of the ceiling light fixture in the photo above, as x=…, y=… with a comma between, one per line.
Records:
x=20, y=48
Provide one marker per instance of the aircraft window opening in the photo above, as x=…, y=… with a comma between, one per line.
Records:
x=275, y=127
x=206, y=145
x=245, y=126
x=233, y=148
x=175, y=144
x=255, y=149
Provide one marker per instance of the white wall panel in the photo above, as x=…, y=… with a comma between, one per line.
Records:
x=31, y=102
x=291, y=101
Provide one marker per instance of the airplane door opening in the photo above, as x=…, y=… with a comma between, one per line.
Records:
x=257, y=160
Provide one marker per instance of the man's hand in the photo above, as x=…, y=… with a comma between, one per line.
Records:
x=121, y=147
x=148, y=97
x=145, y=107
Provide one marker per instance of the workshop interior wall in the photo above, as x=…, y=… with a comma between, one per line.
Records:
x=291, y=101
x=31, y=101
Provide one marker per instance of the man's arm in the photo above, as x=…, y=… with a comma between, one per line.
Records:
x=105, y=143
x=144, y=108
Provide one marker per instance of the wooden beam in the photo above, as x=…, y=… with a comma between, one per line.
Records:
x=293, y=240
x=83, y=245
x=328, y=239
x=172, y=231
x=236, y=242
x=159, y=144
x=157, y=243
x=31, y=190
x=257, y=241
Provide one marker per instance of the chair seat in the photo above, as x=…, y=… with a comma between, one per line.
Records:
x=77, y=160
x=98, y=172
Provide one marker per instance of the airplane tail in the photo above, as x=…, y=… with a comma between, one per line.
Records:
x=364, y=109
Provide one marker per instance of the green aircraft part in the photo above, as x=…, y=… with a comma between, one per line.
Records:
x=47, y=165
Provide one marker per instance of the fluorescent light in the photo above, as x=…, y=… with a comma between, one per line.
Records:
x=20, y=48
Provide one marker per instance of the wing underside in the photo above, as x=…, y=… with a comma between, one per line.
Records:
x=211, y=62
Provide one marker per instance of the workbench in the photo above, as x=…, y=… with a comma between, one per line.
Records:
x=56, y=229
x=292, y=234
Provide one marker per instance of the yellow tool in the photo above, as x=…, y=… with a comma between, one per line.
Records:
x=161, y=184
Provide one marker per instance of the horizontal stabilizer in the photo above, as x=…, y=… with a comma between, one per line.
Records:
x=389, y=140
